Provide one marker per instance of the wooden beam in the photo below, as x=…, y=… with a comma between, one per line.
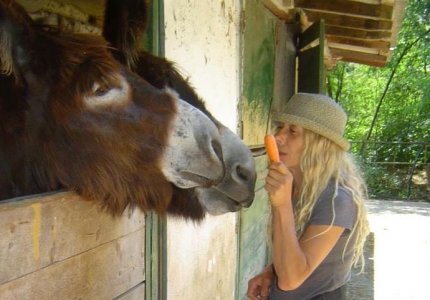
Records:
x=357, y=33
x=357, y=49
x=279, y=10
x=374, y=44
x=46, y=229
x=347, y=7
x=376, y=2
x=343, y=20
x=375, y=60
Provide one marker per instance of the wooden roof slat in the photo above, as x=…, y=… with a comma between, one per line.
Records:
x=342, y=6
x=358, y=57
x=375, y=44
x=343, y=20
x=358, y=33
x=357, y=49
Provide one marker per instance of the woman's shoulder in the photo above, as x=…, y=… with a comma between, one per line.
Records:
x=340, y=192
x=336, y=205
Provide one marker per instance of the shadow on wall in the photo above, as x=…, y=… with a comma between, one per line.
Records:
x=362, y=286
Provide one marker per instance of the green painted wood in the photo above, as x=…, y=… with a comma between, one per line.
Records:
x=285, y=62
x=258, y=43
x=311, y=74
x=258, y=60
x=254, y=235
x=156, y=227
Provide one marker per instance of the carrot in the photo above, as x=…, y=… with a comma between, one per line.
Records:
x=271, y=148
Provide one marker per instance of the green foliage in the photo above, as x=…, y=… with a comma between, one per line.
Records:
x=404, y=114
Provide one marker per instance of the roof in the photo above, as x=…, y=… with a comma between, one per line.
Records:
x=360, y=31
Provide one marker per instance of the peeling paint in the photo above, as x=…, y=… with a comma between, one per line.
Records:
x=37, y=212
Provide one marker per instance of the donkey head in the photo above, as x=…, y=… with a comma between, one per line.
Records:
x=104, y=132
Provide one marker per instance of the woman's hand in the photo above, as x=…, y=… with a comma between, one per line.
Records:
x=279, y=184
x=259, y=286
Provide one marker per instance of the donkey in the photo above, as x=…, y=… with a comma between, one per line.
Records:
x=125, y=23
x=73, y=117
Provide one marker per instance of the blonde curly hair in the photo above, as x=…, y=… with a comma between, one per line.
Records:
x=322, y=160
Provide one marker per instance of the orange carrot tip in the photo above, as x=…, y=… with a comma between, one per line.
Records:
x=271, y=148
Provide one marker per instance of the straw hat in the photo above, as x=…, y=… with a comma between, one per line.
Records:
x=318, y=113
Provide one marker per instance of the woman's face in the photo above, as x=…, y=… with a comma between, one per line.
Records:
x=290, y=140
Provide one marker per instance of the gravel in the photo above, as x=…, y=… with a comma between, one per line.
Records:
x=397, y=253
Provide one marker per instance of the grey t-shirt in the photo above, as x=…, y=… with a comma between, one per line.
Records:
x=334, y=270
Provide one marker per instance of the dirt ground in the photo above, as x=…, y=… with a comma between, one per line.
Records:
x=397, y=253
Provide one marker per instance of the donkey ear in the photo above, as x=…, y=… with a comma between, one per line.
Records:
x=15, y=27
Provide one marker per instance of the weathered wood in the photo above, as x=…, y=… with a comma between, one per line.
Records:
x=279, y=10
x=311, y=71
x=373, y=44
x=40, y=231
x=358, y=49
x=343, y=20
x=254, y=240
x=358, y=57
x=285, y=62
x=101, y=273
x=358, y=33
x=311, y=34
x=258, y=65
x=351, y=8
x=136, y=293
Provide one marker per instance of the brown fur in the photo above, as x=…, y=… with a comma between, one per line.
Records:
x=110, y=154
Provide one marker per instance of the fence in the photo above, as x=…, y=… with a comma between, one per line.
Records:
x=396, y=170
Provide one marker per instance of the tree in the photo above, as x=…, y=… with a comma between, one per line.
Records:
x=390, y=104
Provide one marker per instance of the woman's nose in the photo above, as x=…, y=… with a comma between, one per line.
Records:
x=280, y=140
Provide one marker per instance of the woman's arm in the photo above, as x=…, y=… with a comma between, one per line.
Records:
x=293, y=259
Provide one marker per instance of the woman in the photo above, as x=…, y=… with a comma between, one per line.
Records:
x=319, y=221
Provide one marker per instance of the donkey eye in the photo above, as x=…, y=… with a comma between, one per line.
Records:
x=100, y=90
x=103, y=94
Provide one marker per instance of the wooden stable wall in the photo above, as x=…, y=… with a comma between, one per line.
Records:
x=58, y=246
x=202, y=38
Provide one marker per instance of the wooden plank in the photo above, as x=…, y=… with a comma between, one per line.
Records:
x=311, y=34
x=358, y=57
x=253, y=241
x=311, y=70
x=382, y=11
x=278, y=9
x=259, y=209
x=258, y=68
x=373, y=44
x=358, y=33
x=343, y=20
x=46, y=229
x=311, y=67
x=136, y=293
x=261, y=164
x=358, y=49
x=101, y=273
x=285, y=62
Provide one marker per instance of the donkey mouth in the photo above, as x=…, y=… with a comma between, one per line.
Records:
x=200, y=180
x=217, y=202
